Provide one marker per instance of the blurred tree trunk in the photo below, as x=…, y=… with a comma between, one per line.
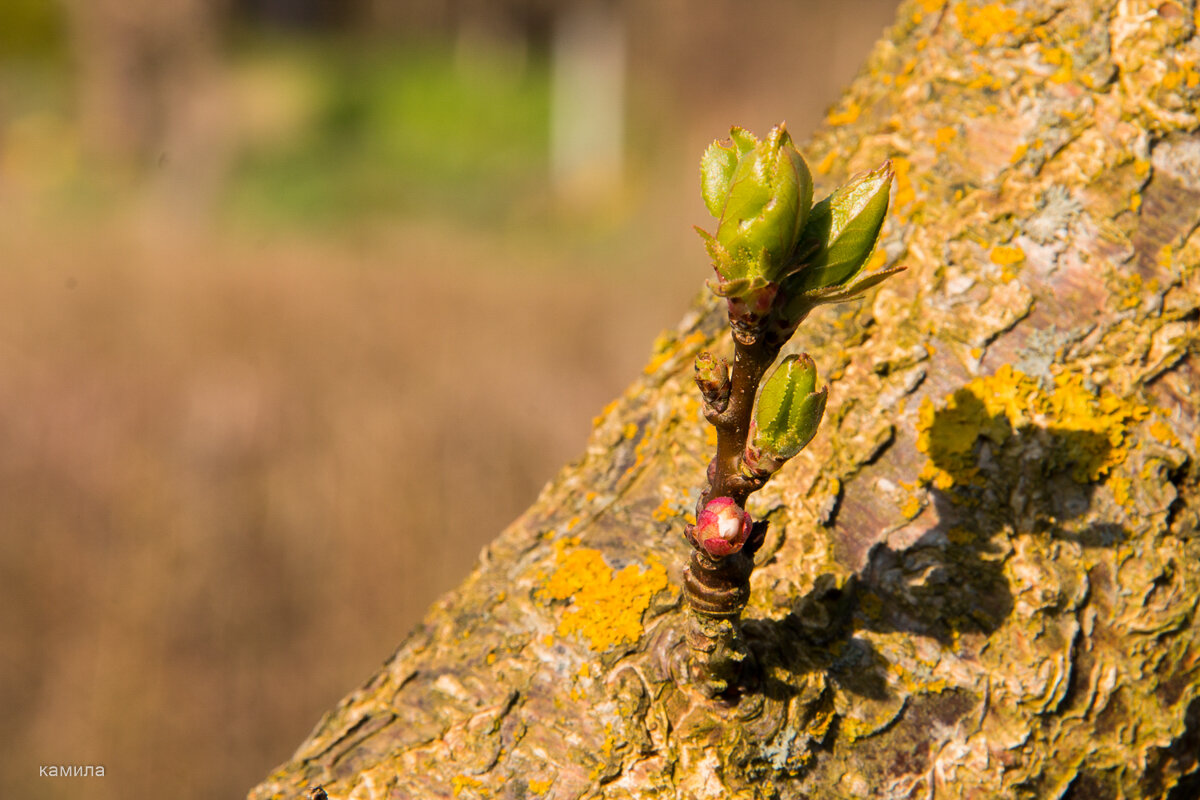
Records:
x=151, y=94
x=982, y=577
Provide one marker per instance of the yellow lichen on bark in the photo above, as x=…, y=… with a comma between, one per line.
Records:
x=994, y=406
x=606, y=606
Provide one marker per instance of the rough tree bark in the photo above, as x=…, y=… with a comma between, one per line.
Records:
x=981, y=578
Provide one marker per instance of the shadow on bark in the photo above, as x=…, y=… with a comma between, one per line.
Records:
x=950, y=581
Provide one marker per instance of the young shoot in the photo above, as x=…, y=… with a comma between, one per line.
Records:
x=777, y=256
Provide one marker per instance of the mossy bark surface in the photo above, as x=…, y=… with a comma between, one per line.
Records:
x=982, y=577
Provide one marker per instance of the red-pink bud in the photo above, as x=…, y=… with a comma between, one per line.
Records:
x=722, y=527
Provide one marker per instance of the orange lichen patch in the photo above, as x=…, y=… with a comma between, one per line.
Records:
x=904, y=195
x=846, y=116
x=948, y=437
x=916, y=684
x=1161, y=431
x=826, y=164
x=1130, y=290
x=667, y=347
x=943, y=137
x=1122, y=489
x=818, y=726
x=981, y=25
x=604, y=412
x=1061, y=59
x=644, y=446
x=656, y=361
x=606, y=750
x=541, y=786
x=985, y=80
x=905, y=74
x=1006, y=255
x=462, y=783
x=606, y=606
x=664, y=511
x=911, y=507
x=1165, y=256
x=1075, y=408
x=1088, y=431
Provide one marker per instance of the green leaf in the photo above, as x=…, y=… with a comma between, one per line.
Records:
x=743, y=140
x=738, y=287
x=874, y=279
x=803, y=303
x=716, y=174
x=722, y=261
x=845, y=227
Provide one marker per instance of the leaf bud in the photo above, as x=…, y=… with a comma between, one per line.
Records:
x=760, y=192
x=789, y=411
x=712, y=376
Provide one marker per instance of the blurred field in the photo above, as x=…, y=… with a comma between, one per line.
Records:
x=242, y=448
x=231, y=476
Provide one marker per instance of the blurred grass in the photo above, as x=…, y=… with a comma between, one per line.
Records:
x=229, y=486
x=395, y=129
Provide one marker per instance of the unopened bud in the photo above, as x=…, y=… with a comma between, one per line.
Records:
x=788, y=414
x=722, y=527
x=712, y=376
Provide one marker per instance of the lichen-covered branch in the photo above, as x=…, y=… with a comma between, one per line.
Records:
x=982, y=578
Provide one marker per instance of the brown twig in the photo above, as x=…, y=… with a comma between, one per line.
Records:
x=717, y=589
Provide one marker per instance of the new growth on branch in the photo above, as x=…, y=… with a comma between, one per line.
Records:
x=777, y=256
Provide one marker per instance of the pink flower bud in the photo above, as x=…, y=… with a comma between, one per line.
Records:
x=722, y=527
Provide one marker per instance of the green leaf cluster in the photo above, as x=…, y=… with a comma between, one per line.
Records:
x=761, y=194
x=775, y=253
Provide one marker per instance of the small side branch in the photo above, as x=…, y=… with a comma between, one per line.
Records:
x=777, y=256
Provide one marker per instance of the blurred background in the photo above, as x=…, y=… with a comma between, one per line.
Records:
x=301, y=302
